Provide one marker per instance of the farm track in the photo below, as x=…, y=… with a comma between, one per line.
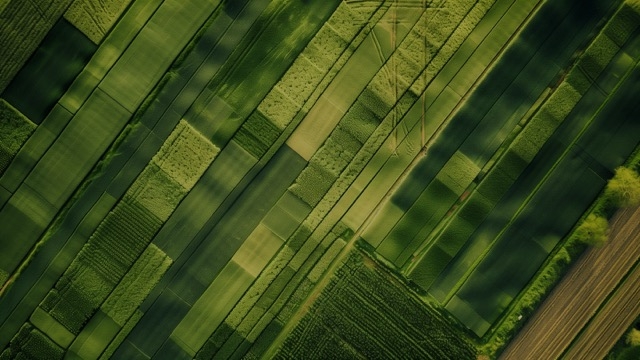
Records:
x=581, y=292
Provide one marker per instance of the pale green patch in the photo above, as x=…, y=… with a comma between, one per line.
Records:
x=458, y=172
x=51, y=327
x=185, y=155
x=138, y=282
x=122, y=334
x=94, y=17
x=256, y=252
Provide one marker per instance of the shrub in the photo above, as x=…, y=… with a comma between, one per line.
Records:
x=633, y=337
x=593, y=230
x=623, y=190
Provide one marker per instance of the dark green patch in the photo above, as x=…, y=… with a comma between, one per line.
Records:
x=61, y=56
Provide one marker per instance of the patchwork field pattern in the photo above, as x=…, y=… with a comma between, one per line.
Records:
x=308, y=179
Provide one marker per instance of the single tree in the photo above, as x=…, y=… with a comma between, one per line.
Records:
x=594, y=230
x=633, y=337
x=624, y=187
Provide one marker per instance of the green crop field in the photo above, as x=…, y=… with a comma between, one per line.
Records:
x=257, y=179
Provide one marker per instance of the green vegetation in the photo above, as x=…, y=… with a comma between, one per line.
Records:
x=312, y=184
x=364, y=312
x=123, y=235
x=598, y=55
x=623, y=190
x=633, y=337
x=549, y=274
x=628, y=347
x=257, y=134
x=309, y=73
x=185, y=155
x=94, y=17
x=30, y=343
x=122, y=334
x=15, y=129
x=136, y=284
x=593, y=230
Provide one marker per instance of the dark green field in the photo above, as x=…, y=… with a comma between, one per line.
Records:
x=299, y=179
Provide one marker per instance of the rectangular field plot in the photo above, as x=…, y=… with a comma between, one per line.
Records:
x=364, y=313
x=49, y=72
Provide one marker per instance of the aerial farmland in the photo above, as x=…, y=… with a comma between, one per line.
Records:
x=320, y=179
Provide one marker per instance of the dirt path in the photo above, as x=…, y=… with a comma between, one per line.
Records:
x=581, y=292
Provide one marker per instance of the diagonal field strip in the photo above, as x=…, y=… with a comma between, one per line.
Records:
x=578, y=296
x=612, y=320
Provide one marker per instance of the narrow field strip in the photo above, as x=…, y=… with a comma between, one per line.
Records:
x=579, y=294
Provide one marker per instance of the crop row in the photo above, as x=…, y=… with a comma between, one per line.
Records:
x=94, y=17
x=281, y=291
x=257, y=134
x=121, y=335
x=462, y=225
x=136, y=284
x=309, y=71
x=367, y=100
x=156, y=191
x=22, y=31
x=185, y=155
x=405, y=104
x=452, y=43
x=15, y=129
x=31, y=343
x=123, y=235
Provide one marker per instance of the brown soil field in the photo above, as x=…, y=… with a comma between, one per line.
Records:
x=579, y=295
